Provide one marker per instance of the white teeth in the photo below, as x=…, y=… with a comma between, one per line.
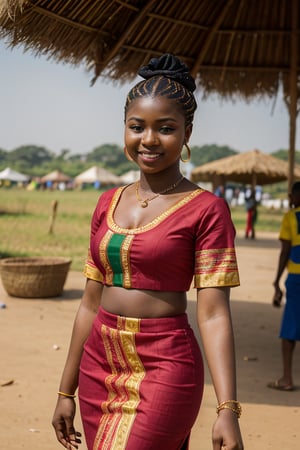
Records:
x=151, y=156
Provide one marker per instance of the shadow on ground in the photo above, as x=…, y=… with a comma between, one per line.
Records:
x=258, y=353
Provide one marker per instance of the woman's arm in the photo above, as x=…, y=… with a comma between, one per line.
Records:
x=215, y=326
x=283, y=260
x=65, y=408
x=282, y=263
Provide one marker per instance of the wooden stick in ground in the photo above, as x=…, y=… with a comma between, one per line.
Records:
x=53, y=216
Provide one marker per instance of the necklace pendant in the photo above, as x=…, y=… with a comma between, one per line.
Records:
x=144, y=203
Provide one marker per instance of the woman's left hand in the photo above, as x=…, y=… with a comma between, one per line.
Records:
x=226, y=433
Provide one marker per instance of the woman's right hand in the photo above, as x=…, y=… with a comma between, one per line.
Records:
x=63, y=423
x=277, y=297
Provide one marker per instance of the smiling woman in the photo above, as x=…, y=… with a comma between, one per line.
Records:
x=133, y=354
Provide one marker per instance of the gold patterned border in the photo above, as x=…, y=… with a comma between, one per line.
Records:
x=216, y=267
x=90, y=270
x=123, y=385
x=125, y=260
x=117, y=229
x=103, y=257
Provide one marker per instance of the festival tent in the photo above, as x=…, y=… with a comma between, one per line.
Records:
x=130, y=177
x=55, y=177
x=98, y=175
x=9, y=174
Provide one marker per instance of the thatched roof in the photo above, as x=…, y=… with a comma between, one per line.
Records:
x=233, y=46
x=253, y=167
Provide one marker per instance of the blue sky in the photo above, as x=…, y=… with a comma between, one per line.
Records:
x=52, y=105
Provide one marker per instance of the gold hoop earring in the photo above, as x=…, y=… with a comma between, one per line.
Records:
x=127, y=154
x=188, y=158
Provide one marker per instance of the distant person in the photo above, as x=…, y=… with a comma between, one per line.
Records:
x=220, y=191
x=251, y=209
x=289, y=259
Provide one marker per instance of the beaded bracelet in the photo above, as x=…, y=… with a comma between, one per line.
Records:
x=66, y=395
x=233, y=405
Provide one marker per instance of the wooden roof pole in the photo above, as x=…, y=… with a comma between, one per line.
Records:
x=195, y=69
x=114, y=50
x=293, y=92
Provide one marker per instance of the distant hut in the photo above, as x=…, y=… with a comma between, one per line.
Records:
x=97, y=176
x=9, y=176
x=55, y=180
x=130, y=177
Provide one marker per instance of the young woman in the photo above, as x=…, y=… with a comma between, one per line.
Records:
x=132, y=352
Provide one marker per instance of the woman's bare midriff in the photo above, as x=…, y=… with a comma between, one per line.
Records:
x=142, y=303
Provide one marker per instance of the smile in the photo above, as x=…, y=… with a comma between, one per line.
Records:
x=151, y=156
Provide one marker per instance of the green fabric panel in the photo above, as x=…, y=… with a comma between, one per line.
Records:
x=114, y=256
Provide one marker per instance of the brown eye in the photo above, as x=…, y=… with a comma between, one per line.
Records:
x=166, y=130
x=136, y=128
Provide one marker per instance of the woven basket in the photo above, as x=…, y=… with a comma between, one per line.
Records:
x=37, y=277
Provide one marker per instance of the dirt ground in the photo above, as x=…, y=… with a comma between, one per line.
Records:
x=35, y=335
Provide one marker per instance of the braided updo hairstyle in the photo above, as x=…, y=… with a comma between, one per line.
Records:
x=167, y=77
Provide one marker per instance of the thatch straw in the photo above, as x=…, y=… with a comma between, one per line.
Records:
x=235, y=48
x=252, y=167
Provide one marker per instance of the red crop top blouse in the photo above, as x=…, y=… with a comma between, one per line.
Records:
x=193, y=238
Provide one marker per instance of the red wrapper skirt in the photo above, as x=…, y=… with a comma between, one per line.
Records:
x=140, y=383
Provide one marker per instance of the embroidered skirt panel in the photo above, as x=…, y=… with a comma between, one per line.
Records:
x=141, y=383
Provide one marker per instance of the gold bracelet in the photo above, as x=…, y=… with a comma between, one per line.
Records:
x=233, y=405
x=66, y=395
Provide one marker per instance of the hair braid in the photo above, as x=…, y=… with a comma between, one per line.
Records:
x=164, y=83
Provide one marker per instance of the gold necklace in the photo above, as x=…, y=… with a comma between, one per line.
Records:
x=144, y=202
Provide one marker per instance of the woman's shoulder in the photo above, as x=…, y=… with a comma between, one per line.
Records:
x=208, y=198
x=106, y=197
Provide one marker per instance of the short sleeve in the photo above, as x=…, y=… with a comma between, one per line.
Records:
x=90, y=269
x=215, y=256
x=285, y=229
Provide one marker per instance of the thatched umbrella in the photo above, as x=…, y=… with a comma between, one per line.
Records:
x=253, y=167
x=235, y=48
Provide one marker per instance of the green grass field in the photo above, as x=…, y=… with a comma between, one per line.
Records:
x=25, y=219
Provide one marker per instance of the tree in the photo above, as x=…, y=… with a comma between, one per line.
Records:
x=207, y=153
x=28, y=156
x=108, y=155
x=3, y=157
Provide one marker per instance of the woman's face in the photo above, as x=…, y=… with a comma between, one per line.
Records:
x=155, y=132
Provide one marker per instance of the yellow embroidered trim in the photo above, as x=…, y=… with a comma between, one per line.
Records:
x=122, y=385
x=113, y=226
x=125, y=261
x=207, y=260
x=92, y=273
x=217, y=280
x=128, y=324
x=103, y=257
x=216, y=267
x=90, y=270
